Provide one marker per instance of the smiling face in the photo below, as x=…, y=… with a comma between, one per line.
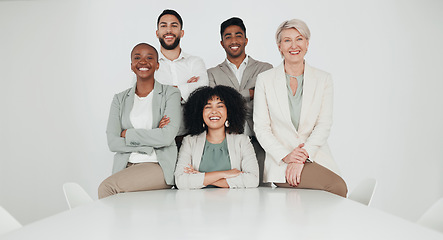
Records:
x=144, y=61
x=293, y=46
x=234, y=42
x=215, y=114
x=169, y=31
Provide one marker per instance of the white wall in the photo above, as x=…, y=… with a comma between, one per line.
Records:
x=62, y=61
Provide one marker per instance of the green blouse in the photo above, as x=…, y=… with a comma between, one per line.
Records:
x=295, y=100
x=215, y=157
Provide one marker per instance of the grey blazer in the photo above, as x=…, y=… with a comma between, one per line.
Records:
x=166, y=101
x=241, y=155
x=223, y=75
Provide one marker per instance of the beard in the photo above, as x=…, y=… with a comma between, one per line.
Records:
x=172, y=46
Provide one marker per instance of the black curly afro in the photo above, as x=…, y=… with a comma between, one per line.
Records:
x=233, y=100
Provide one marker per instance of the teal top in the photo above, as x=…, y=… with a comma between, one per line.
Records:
x=295, y=100
x=215, y=157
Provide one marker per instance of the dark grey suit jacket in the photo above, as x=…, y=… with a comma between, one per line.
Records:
x=223, y=75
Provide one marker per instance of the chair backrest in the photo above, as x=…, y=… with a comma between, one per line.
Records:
x=7, y=222
x=433, y=217
x=364, y=191
x=75, y=195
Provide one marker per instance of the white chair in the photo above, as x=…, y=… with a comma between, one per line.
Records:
x=433, y=217
x=7, y=222
x=75, y=195
x=364, y=191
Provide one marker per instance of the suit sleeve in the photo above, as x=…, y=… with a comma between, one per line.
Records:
x=113, y=131
x=249, y=166
x=245, y=92
x=159, y=137
x=182, y=179
x=322, y=128
x=262, y=124
x=198, y=70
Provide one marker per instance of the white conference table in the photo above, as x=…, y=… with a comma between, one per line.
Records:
x=259, y=213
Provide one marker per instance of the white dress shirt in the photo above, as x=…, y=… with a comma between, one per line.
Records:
x=180, y=70
x=238, y=72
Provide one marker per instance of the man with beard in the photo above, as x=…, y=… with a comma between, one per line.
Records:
x=177, y=68
x=240, y=72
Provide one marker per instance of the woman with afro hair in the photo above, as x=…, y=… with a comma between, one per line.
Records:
x=216, y=153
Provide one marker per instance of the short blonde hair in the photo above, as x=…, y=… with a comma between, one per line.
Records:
x=294, y=23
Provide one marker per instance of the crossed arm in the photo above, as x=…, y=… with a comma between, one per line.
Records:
x=187, y=177
x=144, y=140
x=199, y=79
x=216, y=178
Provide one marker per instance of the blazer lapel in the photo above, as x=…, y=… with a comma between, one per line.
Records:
x=225, y=68
x=157, y=102
x=249, y=70
x=281, y=93
x=309, y=85
x=234, y=159
x=198, y=150
x=127, y=108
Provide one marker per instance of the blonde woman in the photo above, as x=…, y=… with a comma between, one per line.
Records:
x=293, y=117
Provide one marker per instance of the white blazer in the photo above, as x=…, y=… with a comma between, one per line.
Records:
x=241, y=155
x=272, y=120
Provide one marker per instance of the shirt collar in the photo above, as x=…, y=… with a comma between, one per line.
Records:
x=182, y=55
x=245, y=62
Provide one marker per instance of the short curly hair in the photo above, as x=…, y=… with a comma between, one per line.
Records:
x=233, y=100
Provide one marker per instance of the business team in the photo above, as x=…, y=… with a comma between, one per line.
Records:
x=252, y=122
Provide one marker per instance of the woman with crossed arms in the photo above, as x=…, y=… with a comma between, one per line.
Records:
x=293, y=117
x=216, y=154
x=143, y=122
